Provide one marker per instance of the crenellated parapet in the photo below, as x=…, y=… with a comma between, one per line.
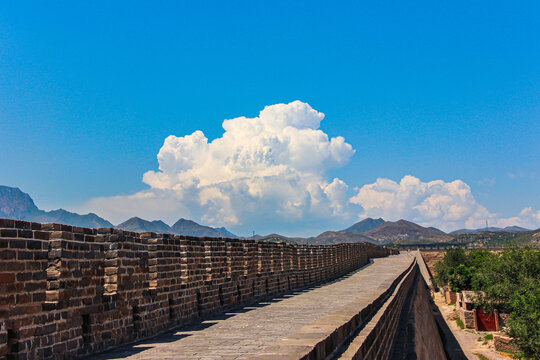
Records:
x=67, y=291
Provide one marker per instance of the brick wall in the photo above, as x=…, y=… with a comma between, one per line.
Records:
x=504, y=343
x=468, y=317
x=376, y=339
x=67, y=291
x=403, y=327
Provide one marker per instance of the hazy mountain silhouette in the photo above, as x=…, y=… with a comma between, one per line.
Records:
x=191, y=228
x=15, y=204
x=401, y=230
x=137, y=224
x=226, y=232
x=364, y=225
x=491, y=228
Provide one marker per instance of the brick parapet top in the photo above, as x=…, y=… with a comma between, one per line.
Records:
x=22, y=230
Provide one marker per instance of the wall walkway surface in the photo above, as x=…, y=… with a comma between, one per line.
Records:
x=67, y=291
x=293, y=326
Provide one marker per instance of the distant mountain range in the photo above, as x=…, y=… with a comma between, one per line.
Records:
x=376, y=231
x=474, y=231
x=401, y=230
x=137, y=224
x=364, y=225
x=15, y=204
x=336, y=237
x=191, y=228
x=181, y=227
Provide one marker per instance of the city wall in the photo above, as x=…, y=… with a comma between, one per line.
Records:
x=66, y=291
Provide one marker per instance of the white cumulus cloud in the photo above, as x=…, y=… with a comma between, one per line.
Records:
x=447, y=205
x=270, y=173
x=527, y=218
x=262, y=170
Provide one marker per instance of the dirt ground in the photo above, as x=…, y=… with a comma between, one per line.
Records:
x=468, y=339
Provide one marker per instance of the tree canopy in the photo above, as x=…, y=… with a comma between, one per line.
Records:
x=508, y=280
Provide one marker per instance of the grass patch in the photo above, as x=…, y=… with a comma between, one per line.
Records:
x=460, y=323
x=481, y=357
x=479, y=339
x=488, y=337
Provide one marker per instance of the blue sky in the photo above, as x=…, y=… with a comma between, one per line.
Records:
x=448, y=91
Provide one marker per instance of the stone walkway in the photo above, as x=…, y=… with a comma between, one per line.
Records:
x=247, y=331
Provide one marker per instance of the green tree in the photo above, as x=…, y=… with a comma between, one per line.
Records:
x=461, y=278
x=505, y=274
x=508, y=281
x=524, y=321
x=511, y=282
x=444, y=269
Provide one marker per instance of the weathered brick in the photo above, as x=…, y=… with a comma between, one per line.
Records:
x=23, y=298
x=52, y=295
x=20, y=224
x=35, y=226
x=32, y=286
x=49, y=306
x=51, y=227
x=59, y=348
x=17, y=243
x=12, y=265
x=41, y=255
x=61, y=235
x=8, y=233
x=25, y=255
x=7, y=254
x=34, y=244
x=6, y=300
x=7, y=278
x=55, y=254
x=111, y=270
x=25, y=233
x=38, y=297
x=7, y=223
x=42, y=235
x=24, y=276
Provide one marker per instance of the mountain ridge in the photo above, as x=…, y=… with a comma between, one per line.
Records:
x=364, y=225
x=181, y=227
x=137, y=224
x=16, y=204
x=493, y=229
x=191, y=228
x=390, y=231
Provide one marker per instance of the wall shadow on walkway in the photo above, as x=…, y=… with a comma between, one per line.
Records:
x=184, y=331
